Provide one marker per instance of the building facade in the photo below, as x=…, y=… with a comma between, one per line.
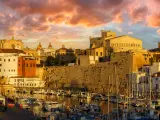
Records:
x=9, y=62
x=26, y=66
x=11, y=44
x=27, y=82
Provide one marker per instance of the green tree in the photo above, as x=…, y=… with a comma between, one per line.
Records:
x=110, y=52
x=3, y=80
x=51, y=61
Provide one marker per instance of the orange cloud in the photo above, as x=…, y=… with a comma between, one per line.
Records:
x=154, y=20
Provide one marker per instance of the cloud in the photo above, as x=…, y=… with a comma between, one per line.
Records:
x=158, y=31
x=130, y=33
x=35, y=23
x=139, y=14
x=119, y=29
x=72, y=12
x=154, y=20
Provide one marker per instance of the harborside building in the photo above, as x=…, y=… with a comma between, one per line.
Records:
x=19, y=69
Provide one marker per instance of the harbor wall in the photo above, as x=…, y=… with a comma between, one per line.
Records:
x=97, y=78
x=100, y=77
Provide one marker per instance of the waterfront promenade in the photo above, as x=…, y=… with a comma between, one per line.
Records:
x=16, y=113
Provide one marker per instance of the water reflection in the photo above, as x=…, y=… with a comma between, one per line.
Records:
x=70, y=101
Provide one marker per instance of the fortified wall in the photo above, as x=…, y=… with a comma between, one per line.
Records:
x=97, y=78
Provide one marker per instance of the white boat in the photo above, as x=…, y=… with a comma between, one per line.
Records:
x=85, y=95
x=61, y=93
x=49, y=105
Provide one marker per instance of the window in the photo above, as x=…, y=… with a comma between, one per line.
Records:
x=96, y=53
x=101, y=53
x=4, y=70
x=9, y=70
x=0, y=65
x=157, y=87
x=19, y=64
x=14, y=60
x=30, y=65
x=0, y=59
x=0, y=70
x=8, y=60
x=4, y=60
x=33, y=65
x=14, y=80
x=26, y=65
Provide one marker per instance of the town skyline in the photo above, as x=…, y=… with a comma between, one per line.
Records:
x=58, y=22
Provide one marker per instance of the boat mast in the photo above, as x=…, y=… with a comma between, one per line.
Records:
x=150, y=88
x=108, y=93
x=116, y=91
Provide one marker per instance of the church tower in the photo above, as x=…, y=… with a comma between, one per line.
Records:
x=39, y=47
x=50, y=46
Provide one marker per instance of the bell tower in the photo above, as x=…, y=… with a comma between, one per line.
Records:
x=50, y=45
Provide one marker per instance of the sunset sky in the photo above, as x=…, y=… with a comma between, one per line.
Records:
x=71, y=22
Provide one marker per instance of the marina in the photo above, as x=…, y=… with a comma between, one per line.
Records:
x=96, y=107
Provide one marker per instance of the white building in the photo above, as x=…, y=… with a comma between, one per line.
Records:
x=21, y=82
x=9, y=62
x=155, y=67
x=156, y=81
x=138, y=83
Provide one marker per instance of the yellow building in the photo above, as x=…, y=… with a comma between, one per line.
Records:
x=100, y=41
x=109, y=40
x=64, y=51
x=11, y=44
x=40, y=53
x=123, y=43
x=101, y=47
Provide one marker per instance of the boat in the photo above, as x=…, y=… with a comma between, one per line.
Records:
x=86, y=95
x=49, y=105
x=61, y=93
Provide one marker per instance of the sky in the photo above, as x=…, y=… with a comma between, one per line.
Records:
x=71, y=22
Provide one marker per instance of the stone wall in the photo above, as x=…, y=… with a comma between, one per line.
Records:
x=96, y=77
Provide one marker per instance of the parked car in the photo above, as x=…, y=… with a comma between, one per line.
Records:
x=10, y=103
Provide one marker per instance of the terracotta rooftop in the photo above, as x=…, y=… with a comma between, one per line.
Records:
x=11, y=51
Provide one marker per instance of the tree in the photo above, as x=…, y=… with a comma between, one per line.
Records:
x=3, y=80
x=110, y=52
x=51, y=61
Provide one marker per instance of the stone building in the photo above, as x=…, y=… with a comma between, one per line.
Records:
x=102, y=47
x=65, y=55
x=9, y=61
x=40, y=53
x=11, y=44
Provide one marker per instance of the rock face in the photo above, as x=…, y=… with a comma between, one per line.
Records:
x=97, y=78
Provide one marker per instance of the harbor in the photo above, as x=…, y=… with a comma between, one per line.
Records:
x=61, y=106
